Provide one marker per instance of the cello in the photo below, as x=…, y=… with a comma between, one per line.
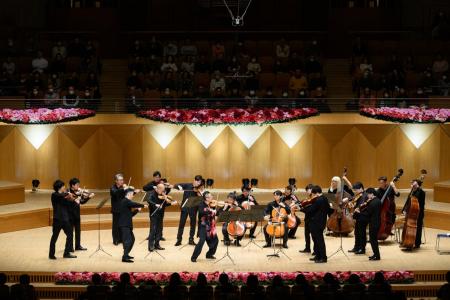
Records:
x=410, y=225
x=341, y=221
x=235, y=228
x=275, y=228
x=387, y=211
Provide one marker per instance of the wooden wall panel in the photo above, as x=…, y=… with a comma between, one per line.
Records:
x=94, y=153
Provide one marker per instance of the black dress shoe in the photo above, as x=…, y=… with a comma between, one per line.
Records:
x=360, y=251
x=52, y=257
x=210, y=257
x=306, y=250
x=353, y=250
x=313, y=254
x=158, y=247
x=127, y=260
x=178, y=243
x=191, y=242
x=193, y=260
x=236, y=243
x=162, y=239
x=80, y=248
x=267, y=246
x=151, y=249
x=116, y=243
x=130, y=257
x=373, y=257
x=71, y=250
x=69, y=256
x=320, y=261
x=285, y=246
x=313, y=258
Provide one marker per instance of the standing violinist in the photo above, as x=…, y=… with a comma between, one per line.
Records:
x=157, y=203
x=368, y=213
x=151, y=186
x=229, y=204
x=128, y=209
x=290, y=198
x=207, y=231
x=383, y=185
x=81, y=198
x=316, y=213
x=360, y=227
x=61, y=203
x=274, y=208
x=246, y=196
x=307, y=249
x=190, y=190
x=419, y=193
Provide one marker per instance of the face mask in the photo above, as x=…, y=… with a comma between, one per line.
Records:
x=71, y=92
x=54, y=76
x=269, y=93
x=50, y=90
x=252, y=93
x=87, y=94
x=35, y=92
x=253, y=60
x=285, y=94
x=302, y=93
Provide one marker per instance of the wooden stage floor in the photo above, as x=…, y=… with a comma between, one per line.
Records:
x=27, y=251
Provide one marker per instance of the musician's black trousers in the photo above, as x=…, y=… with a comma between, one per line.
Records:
x=57, y=227
x=292, y=231
x=269, y=238
x=419, y=230
x=192, y=213
x=128, y=240
x=155, y=231
x=319, y=242
x=307, y=235
x=212, y=242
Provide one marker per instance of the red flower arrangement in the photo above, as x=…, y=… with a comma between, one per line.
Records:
x=233, y=116
x=238, y=278
x=408, y=115
x=44, y=115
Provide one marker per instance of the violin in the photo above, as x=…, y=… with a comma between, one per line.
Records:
x=307, y=202
x=215, y=203
x=167, y=198
x=352, y=203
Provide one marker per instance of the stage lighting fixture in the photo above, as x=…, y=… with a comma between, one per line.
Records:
x=209, y=183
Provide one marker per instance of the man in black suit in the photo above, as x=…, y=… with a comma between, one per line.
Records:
x=157, y=202
x=127, y=209
x=189, y=191
x=61, y=203
x=307, y=249
x=360, y=230
x=117, y=193
x=316, y=213
x=369, y=214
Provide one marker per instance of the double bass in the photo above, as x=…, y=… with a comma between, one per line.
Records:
x=410, y=225
x=341, y=220
x=387, y=211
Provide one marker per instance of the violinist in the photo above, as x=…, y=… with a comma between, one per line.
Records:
x=81, y=198
x=368, y=213
x=194, y=189
x=292, y=201
x=419, y=193
x=117, y=193
x=61, y=204
x=383, y=185
x=273, y=207
x=307, y=249
x=316, y=213
x=230, y=203
x=207, y=229
x=360, y=227
x=151, y=186
x=128, y=209
x=246, y=200
x=158, y=201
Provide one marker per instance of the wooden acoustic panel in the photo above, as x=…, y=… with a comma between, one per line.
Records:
x=24, y=220
x=11, y=192
x=442, y=191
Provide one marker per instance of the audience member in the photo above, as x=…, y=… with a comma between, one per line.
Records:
x=225, y=289
x=175, y=290
x=4, y=288
x=444, y=291
x=282, y=49
x=252, y=290
x=23, y=289
x=124, y=290
x=39, y=63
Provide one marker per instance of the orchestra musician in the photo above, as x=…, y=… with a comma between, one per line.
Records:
x=307, y=249
x=419, y=193
x=290, y=198
x=360, y=228
x=117, y=193
x=230, y=204
x=157, y=202
x=61, y=204
x=194, y=189
x=316, y=213
x=151, y=186
x=394, y=192
x=275, y=206
x=246, y=196
x=81, y=198
x=368, y=213
x=335, y=188
x=207, y=230
x=128, y=209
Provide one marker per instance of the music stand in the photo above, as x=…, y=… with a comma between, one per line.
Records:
x=255, y=214
x=191, y=202
x=225, y=217
x=332, y=199
x=276, y=253
x=99, y=246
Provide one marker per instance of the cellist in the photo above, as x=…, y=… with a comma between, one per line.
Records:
x=292, y=200
x=246, y=196
x=229, y=204
x=276, y=204
x=419, y=193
